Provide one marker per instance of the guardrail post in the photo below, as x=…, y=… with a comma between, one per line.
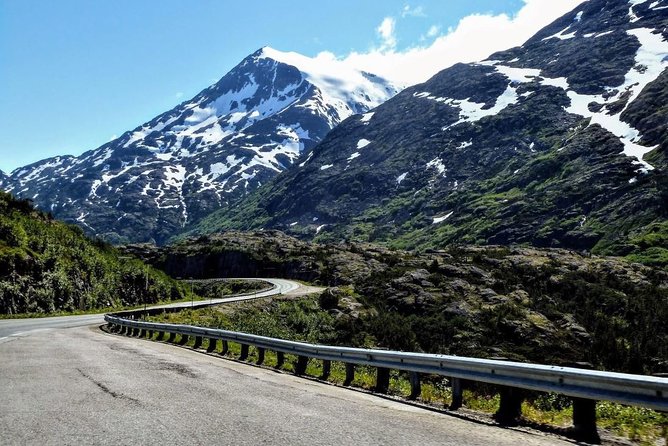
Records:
x=416, y=387
x=457, y=393
x=161, y=336
x=510, y=407
x=350, y=374
x=150, y=334
x=244, y=352
x=300, y=366
x=584, y=421
x=213, y=343
x=260, y=355
x=184, y=340
x=225, y=348
x=142, y=333
x=326, y=369
x=280, y=359
x=382, y=380
x=584, y=413
x=198, y=342
x=172, y=337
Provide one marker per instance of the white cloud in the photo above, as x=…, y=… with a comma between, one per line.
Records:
x=432, y=32
x=474, y=38
x=386, y=32
x=418, y=11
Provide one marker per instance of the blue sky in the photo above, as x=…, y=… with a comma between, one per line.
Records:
x=75, y=73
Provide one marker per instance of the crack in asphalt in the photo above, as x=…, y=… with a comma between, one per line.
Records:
x=106, y=389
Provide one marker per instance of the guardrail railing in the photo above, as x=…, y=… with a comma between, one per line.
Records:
x=585, y=387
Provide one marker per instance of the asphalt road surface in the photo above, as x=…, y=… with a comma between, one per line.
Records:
x=83, y=386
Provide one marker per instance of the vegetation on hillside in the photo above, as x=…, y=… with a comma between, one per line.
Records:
x=47, y=266
x=543, y=305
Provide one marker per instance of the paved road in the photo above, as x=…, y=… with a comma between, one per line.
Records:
x=83, y=386
x=13, y=327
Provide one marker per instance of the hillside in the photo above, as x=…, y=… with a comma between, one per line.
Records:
x=558, y=143
x=545, y=305
x=205, y=153
x=47, y=266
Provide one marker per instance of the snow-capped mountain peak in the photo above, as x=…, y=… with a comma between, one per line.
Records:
x=357, y=90
x=207, y=151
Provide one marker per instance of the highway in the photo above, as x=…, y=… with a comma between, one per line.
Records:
x=74, y=384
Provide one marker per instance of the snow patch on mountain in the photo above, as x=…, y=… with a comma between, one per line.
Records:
x=470, y=111
x=562, y=35
x=650, y=61
x=362, y=143
x=441, y=219
x=437, y=164
x=366, y=117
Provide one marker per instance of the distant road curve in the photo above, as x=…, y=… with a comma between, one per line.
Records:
x=20, y=327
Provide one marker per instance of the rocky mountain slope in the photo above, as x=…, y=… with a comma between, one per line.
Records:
x=545, y=305
x=559, y=142
x=204, y=153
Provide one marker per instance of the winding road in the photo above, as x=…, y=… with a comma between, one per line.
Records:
x=64, y=381
x=15, y=327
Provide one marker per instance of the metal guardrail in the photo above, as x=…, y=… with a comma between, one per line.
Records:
x=584, y=386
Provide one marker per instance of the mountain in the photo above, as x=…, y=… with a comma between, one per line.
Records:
x=559, y=142
x=206, y=152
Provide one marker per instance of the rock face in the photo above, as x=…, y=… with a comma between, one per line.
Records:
x=559, y=142
x=204, y=153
